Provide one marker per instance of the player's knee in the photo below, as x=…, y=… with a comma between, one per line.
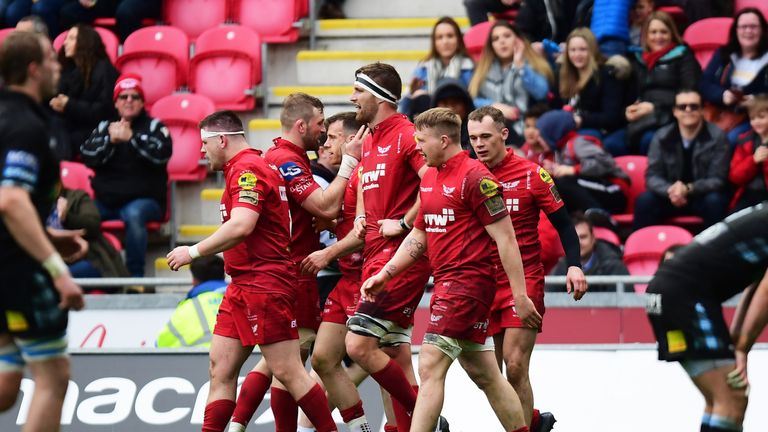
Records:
x=219, y=372
x=321, y=362
x=517, y=371
x=358, y=350
x=9, y=391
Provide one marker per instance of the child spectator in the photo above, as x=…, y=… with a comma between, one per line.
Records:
x=749, y=172
x=637, y=17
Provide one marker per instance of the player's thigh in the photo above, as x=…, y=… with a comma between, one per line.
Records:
x=329, y=345
x=51, y=373
x=518, y=346
x=227, y=356
x=433, y=363
x=714, y=382
x=11, y=371
x=480, y=366
x=283, y=358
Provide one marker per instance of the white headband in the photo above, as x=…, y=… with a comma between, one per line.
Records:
x=204, y=134
x=364, y=81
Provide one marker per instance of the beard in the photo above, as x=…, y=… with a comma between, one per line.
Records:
x=366, y=114
x=310, y=142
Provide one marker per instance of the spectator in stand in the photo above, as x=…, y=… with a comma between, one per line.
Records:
x=687, y=168
x=535, y=149
x=749, y=171
x=640, y=12
x=85, y=88
x=610, y=24
x=32, y=23
x=665, y=66
x=551, y=19
x=453, y=94
x=478, y=10
x=447, y=58
x=598, y=258
x=511, y=76
x=585, y=174
x=739, y=69
x=129, y=157
x=128, y=13
x=591, y=88
x=48, y=10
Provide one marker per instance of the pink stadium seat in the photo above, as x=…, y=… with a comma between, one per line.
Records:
x=75, y=175
x=271, y=19
x=181, y=113
x=509, y=15
x=475, y=37
x=110, y=40
x=5, y=32
x=644, y=248
x=113, y=240
x=160, y=55
x=635, y=167
x=607, y=235
x=677, y=13
x=302, y=8
x=761, y=5
x=707, y=35
x=233, y=52
x=194, y=17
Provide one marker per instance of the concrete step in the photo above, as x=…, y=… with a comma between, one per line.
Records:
x=397, y=8
x=387, y=27
x=338, y=67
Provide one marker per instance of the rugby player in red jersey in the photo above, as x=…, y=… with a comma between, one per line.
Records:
x=527, y=189
x=462, y=211
x=258, y=308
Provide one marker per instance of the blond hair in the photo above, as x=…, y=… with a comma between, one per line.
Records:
x=298, y=106
x=757, y=105
x=571, y=82
x=443, y=120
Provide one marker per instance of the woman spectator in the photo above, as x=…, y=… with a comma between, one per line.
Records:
x=739, y=69
x=749, y=170
x=511, y=76
x=592, y=89
x=447, y=58
x=665, y=66
x=85, y=88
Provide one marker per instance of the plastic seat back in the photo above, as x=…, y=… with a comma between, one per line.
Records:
x=109, y=39
x=707, y=35
x=475, y=37
x=760, y=5
x=75, y=175
x=644, y=248
x=194, y=17
x=271, y=19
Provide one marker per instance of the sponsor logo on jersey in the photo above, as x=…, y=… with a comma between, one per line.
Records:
x=544, y=175
x=248, y=197
x=488, y=187
x=513, y=204
x=438, y=222
x=371, y=178
x=223, y=212
x=299, y=188
x=508, y=186
x=435, y=318
x=447, y=191
x=676, y=341
x=247, y=180
x=283, y=193
x=425, y=189
x=383, y=150
x=290, y=171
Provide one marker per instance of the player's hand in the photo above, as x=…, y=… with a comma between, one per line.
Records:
x=373, y=286
x=576, y=282
x=390, y=228
x=360, y=227
x=178, y=257
x=527, y=312
x=315, y=262
x=70, y=293
x=322, y=224
x=737, y=378
x=354, y=147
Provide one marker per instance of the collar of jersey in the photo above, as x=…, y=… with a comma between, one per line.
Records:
x=455, y=161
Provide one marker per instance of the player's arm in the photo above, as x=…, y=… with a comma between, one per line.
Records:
x=502, y=232
x=240, y=224
x=412, y=248
x=360, y=223
x=750, y=320
x=20, y=216
x=320, y=259
x=397, y=227
x=574, y=280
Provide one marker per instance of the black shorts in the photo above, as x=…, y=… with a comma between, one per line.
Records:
x=687, y=327
x=29, y=301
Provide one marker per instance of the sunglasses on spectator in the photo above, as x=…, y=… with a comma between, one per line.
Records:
x=685, y=107
x=123, y=97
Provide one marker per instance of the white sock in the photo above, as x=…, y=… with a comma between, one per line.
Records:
x=359, y=424
x=236, y=427
x=304, y=429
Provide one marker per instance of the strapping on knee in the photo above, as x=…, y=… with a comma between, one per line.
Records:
x=10, y=358
x=723, y=423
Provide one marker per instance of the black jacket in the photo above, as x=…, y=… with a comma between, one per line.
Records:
x=606, y=261
x=453, y=88
x=133, y=169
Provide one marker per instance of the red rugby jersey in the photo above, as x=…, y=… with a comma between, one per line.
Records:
x=350, y=265
x=262, y=260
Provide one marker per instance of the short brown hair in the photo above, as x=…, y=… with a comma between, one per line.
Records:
x=298, y=106
x=222, y=121
x=385, y=75
x=488, y=111
x=18, y=50
x=757, y=105
x=348, y=120
x=443, y=120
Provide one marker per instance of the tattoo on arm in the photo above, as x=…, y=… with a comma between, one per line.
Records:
x=390, y=270
x=415, y=248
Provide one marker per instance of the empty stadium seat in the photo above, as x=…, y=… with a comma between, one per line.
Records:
x=160, y=55
x=707, y=35
x=194, y=17
x=227, y=67
x=678, y=15
x=644, y=248
x=113, y=240
x=606, y=235
x=75, y=175
x=271, y=19
x=475, y=37
x=761, y=5
x=635, y=167
x=5, y=32
x=110, y=40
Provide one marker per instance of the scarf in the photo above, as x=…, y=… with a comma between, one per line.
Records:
x=437, y=71
x=651, y=58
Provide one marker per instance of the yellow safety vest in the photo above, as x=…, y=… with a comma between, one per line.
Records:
x=192, y=322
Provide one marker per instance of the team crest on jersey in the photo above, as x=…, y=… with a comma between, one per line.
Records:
x=384, y=150
x=555, y=193
x=447, y=191
x=545, y=177
x=508, y=186
x=247, y=180
x=488, y=187
x=495, y=205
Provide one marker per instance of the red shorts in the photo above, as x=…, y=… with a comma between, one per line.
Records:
x=256, y=318
x=342, y=301
x=503, y=313
x=401, y=296
x=307, y=303
x=457, y=316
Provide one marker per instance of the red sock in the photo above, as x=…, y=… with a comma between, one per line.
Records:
x=353, y=412
x=390, y=428
x=252, y=393
x=285, y=410
x=217, y=414
x=402, y=416
x=315, y=406
x=535, y=419
x=393, y=380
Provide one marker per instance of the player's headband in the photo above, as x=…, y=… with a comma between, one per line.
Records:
x=365, y=82
x=204, y=134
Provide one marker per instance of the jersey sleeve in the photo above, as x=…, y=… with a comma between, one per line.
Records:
x=484, y=197
x=248, y=188
x=413, y=157
x=20, y=161
x=545, y=192
x=418, y=223
x=298, y=178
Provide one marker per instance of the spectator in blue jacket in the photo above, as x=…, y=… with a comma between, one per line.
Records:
x=610, y=24
x=48, y=10
x=447, y=58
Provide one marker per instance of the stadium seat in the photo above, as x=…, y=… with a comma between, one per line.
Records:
x=707, y=35
x=302, y=8
x=509, y=15
x=110, y=40
x=75, y=175
x=194, y=17
x=271, y=19
x=678, y=15
x=5, y=32
x=475, y=37
x=761, y=5
x=233, y=52
x=644, y=248
x=160, y=55
x=113, y=240
x=606, y=235
x=635, y=167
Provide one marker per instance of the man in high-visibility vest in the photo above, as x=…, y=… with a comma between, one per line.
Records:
x=192, y=322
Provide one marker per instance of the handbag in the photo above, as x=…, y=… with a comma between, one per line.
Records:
x=723, y=118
